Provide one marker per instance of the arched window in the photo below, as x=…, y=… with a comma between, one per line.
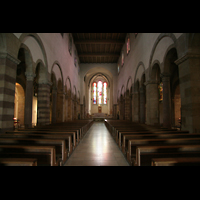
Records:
x=75, y=58
x=122, y=63
x=94, y=93
x=128, y=44
x=70, y=44
x=99, y=92
x=104, y=93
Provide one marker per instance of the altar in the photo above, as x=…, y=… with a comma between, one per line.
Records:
x=98, y=116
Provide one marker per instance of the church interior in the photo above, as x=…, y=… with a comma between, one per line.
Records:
x=136, y=94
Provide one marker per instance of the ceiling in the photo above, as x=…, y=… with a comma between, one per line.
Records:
x=99, y=47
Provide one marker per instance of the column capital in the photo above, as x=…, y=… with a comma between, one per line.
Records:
x=150, y=82
x=165, y=76
x=29, y=76
x=43, y=82
x=10, y=57
x=142, y=89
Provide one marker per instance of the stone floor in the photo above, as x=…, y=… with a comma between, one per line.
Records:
x=97, y=148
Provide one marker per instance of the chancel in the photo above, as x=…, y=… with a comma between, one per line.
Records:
x=96, y=99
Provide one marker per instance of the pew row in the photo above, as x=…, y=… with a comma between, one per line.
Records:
x=18, y=162
x=184, y=161
x=49, y=145
x=45, y=155
x=145, y=154
x=133, y=144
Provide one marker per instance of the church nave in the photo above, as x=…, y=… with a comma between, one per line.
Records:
x=97, y=148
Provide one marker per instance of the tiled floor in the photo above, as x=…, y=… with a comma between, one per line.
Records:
x=97, y=148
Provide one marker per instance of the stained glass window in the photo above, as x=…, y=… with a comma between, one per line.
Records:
x=104, y=93
x=122, y=58
x=99, y=93
x=70, y=44
x=75, y=58
x=128, y=44
x=94, y=93
x=160, y=91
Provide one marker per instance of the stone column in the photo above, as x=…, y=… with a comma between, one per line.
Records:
x=8, y=68
x=54, y=104
x=75, y=109
x=189, y=80
x=132, y=106
x=142, y=104
x=70, y=106
x=28, y=100
x=122, y=109
x=127, y=107
x=82, y=111
x=166, y=101
x=60, y=106
x=136, y=107
x=115, y=111
x=43, y=105
x=152, y=102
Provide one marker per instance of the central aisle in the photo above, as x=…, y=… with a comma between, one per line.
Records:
x=97, y=148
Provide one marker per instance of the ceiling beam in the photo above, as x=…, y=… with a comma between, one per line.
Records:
x=98, y=54
x=99, y=41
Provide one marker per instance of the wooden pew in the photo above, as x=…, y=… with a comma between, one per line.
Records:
x=18, y=162
x=67, y=138
x=52, y=136
x=51, y=133
x=144, y=131
x=115, y=128
x=140, y=135
x=59, y=144
x=176, y=161
x=45, y=155
x=132, y=144
x=145, y=154
x=75, y=134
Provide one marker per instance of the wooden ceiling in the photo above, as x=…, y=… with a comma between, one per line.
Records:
x=99, y=47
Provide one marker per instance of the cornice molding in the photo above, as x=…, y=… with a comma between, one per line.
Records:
x=185, y=57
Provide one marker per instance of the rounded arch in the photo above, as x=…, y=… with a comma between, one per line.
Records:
x=122, y=91
x=24, y=54
x=140, y=70
x=40, y=67
x=153, y=72
x=160, y=37
x=24, y=36
x=99, y=74
x=68, y=85
x=136, y=86
x=129, y=84
x=56, y=68
x=169, y=59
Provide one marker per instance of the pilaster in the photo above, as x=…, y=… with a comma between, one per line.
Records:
x=152, y=102
x=166, y=100
x=8, y=68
